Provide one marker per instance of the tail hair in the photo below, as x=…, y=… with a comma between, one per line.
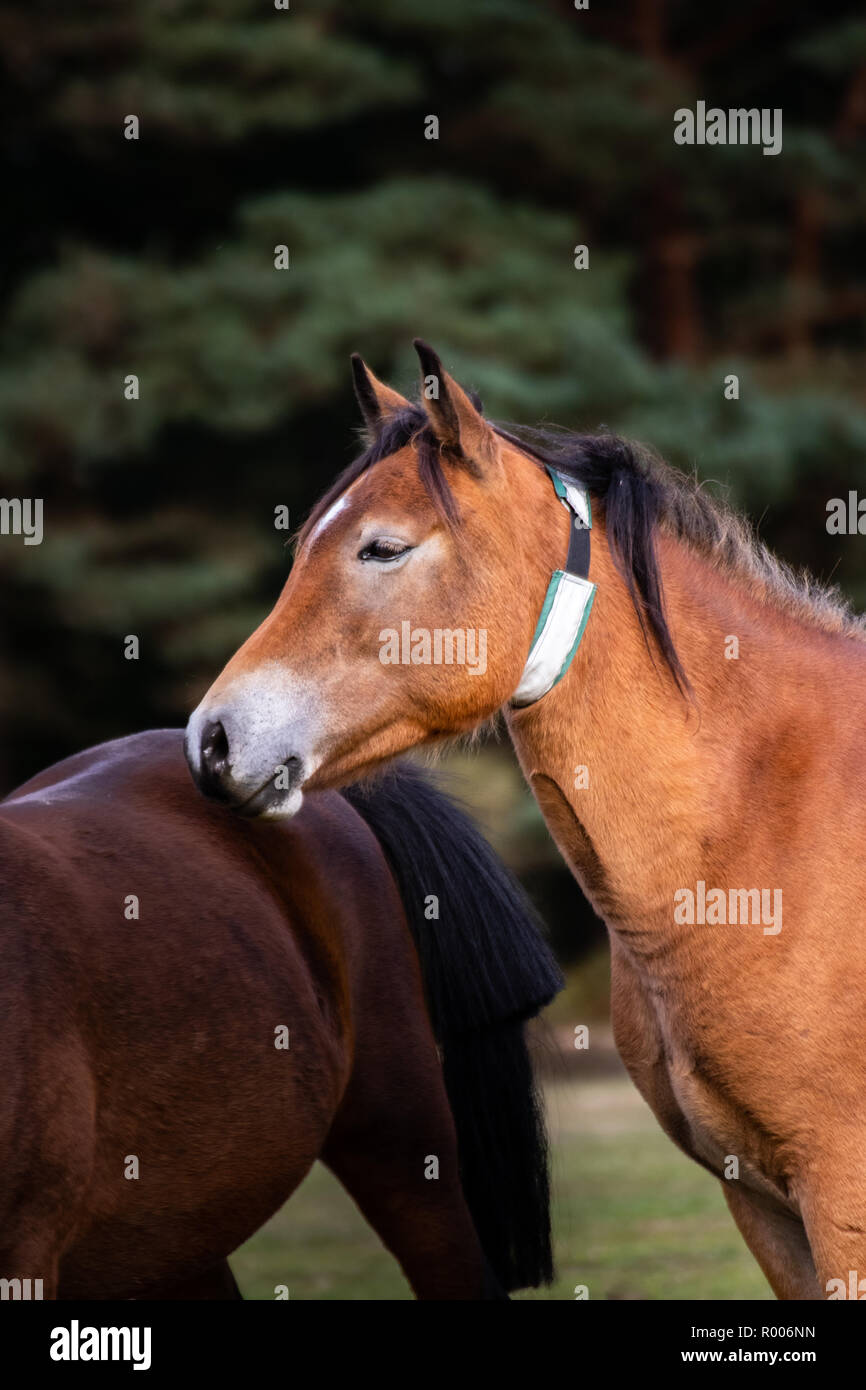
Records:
x=487, y=969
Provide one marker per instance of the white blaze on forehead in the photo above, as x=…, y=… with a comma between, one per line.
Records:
x=334, y=511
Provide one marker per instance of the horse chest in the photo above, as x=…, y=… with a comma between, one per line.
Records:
x=662, y=1061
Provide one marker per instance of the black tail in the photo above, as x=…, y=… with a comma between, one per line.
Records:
x=487, y=969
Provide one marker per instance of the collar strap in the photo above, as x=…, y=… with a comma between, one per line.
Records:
x=566, y=604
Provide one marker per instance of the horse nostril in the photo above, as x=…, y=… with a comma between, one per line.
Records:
x=214, y=749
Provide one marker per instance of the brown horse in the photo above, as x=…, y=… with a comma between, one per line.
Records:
x=193, y=1009
x=694, y=742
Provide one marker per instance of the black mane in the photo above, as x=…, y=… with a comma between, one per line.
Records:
x=634, y=490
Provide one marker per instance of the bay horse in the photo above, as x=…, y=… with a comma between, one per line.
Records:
x=689, y=715
x=194, y=1008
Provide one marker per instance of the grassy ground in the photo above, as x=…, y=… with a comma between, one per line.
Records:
x=633, y=1218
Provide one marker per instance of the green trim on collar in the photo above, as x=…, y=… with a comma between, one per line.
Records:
x=566, y=608
x=580, y=631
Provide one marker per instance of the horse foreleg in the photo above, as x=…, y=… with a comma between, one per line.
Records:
x=778, y=1242
x=215, y=1283
x=394, y=1149
x=834, y=1214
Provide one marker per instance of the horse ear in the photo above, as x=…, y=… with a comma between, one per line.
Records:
x=454, y=416
x=377, y=401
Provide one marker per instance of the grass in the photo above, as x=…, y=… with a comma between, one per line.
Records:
x=633, y=1219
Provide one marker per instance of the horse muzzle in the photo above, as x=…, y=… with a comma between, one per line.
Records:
x=216, y=762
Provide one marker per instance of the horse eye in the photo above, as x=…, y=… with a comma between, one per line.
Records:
x=383, y=550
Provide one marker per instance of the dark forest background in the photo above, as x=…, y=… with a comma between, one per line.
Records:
x=306, y=127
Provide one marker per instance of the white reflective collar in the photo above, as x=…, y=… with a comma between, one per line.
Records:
x=565, y=610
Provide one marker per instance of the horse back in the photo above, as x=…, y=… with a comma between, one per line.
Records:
x=182, y=988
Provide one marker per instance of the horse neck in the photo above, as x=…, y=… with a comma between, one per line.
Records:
x=673, y=789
